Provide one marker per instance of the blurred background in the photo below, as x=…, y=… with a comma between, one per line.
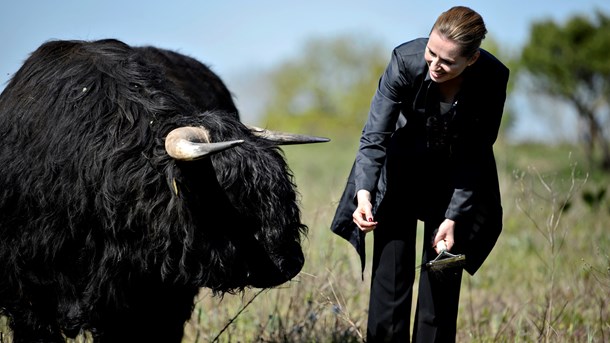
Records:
x=312, y=67
x=245, y=42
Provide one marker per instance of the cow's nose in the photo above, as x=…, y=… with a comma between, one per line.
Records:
x=275, y=270
x=291, y=264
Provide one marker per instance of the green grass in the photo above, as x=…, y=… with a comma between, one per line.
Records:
x=548, y=278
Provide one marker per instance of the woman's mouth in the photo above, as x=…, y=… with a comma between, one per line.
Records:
x=436, y=75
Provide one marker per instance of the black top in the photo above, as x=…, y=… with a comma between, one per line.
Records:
x=399, y=124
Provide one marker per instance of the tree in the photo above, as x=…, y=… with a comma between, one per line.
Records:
x=329, y=85
x=570, y=63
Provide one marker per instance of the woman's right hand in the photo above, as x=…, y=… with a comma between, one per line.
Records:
x=363, y=215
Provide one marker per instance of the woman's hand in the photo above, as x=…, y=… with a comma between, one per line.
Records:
x=444, y=239
x=363, y=215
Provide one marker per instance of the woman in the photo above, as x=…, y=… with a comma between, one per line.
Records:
x=426, y=154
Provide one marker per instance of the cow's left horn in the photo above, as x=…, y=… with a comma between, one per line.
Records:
x=190, y=143
x=284, y=138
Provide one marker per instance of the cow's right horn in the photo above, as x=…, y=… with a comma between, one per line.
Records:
x=284, y=138
x=190, y=143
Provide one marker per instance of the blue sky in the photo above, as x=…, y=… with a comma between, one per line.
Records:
x=242, y=37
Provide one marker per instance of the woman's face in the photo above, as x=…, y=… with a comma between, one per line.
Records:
x=444, y=59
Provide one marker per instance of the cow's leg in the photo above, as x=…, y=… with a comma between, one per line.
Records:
x=37, y=336
x=27, y=327
x=160, y=318
x=162, y=332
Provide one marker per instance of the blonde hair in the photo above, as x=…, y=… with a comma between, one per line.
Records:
x=463, y=26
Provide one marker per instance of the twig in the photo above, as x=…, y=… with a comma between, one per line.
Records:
x=237, y=315
x=345, y=314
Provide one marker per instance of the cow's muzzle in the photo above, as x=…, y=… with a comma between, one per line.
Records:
x=270, y=271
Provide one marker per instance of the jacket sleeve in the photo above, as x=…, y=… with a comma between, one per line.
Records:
x=381, y=122
x=473, y=151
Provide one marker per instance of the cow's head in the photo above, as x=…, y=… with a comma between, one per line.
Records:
x=236, y=185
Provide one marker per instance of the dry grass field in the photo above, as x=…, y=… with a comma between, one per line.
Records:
x=547, y=280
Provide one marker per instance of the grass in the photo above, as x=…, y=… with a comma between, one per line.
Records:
x=547, y=280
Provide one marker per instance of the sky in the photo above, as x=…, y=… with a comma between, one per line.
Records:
x=239, y=38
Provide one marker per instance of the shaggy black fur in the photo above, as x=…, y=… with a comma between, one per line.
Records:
x=197, y=82
x=100, y=229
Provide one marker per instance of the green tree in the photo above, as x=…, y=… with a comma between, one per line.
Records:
x=570, y=62
x=328, y=87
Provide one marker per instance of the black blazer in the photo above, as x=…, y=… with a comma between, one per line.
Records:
x=405, y=97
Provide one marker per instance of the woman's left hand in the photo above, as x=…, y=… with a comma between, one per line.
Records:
x=444, y=239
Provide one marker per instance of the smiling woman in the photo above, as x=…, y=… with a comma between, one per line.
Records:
x=445, y=59
x=426, y=154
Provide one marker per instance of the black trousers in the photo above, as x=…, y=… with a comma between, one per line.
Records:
x=393, y=276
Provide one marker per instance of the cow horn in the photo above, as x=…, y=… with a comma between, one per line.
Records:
x=190, y=143
x=283, y=138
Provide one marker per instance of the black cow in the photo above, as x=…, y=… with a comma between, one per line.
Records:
x=127, y=182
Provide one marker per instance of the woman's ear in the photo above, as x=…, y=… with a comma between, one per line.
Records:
x=474, y=58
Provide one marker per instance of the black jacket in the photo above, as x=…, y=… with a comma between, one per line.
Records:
x=396, y=131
